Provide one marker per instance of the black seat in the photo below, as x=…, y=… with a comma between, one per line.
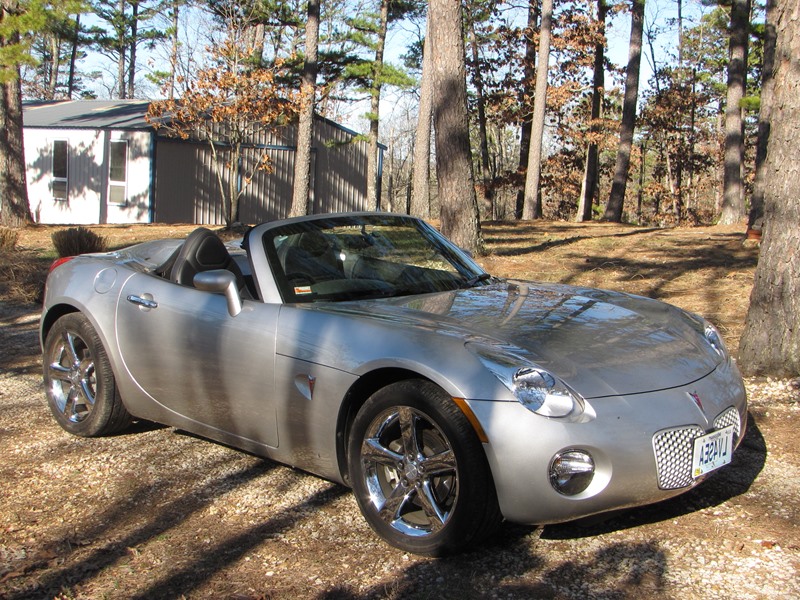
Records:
x=203, y=251
x=312, y=255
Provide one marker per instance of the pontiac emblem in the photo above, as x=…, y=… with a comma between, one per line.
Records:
x=696, y=397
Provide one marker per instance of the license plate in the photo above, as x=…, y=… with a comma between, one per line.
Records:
x=712, y=451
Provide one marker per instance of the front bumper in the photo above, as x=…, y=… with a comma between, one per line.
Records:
x=641, y=445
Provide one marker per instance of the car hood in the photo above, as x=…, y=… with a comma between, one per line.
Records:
x=600, y=342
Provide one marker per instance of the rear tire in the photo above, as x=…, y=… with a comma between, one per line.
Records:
x=79, y=382
x=419, y=472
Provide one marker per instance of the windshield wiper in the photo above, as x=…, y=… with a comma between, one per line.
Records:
x=476, y=279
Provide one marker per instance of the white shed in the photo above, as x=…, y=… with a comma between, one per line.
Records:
x=99, y=161
x=89, y=162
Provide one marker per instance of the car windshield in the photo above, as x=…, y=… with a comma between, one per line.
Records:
x=365, y=256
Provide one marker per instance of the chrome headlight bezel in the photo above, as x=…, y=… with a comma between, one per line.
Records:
x=714, y=339
x=710, y=334
x=534, y=387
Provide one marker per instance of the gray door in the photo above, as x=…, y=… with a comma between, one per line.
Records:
x=188, y=354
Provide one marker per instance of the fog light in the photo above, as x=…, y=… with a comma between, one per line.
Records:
x=571, y=472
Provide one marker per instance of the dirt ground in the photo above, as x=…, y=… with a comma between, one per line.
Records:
x=157, y=513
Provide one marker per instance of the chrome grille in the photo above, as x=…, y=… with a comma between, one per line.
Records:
x=729, y=417
x=673, y=449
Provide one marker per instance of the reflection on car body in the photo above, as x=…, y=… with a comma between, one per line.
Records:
x=368, y=349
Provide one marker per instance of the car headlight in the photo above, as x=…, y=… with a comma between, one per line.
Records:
x=709, y=333
x=535, y=388
x=715, y=340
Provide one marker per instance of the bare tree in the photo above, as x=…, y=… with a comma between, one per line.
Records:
x=480, y=101
x=533, y=205
x=590, y=171
x=375, y=102
x=14, y=207
x=767, y=81
x=420, y=182
x=457, y=199
x=529, y=64
x=227, y=108
x=733, y=207
x=771, y=340
x=301, y=199
x=628, y=124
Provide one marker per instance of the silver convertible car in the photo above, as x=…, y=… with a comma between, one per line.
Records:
x=368, y=349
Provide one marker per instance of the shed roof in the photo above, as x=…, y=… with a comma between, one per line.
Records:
x=105, y=114
x=87, y=114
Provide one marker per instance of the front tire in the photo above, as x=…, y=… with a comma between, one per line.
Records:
x=419, y=472
x=78, y=380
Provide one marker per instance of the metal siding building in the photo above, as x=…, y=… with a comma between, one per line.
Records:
x=169, y=180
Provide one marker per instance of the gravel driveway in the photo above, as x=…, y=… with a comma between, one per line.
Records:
x=158, y=513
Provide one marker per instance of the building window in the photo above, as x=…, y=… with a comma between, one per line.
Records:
x=58, y=183
x=118, y=172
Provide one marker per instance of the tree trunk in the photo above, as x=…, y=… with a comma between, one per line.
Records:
x=457, y=200
x=617, y=199
x=420, y=182
x=528, y=75
x=73, y=57
x=373, y=200
x=733, y=208
x=259, y=41
x=121, y=31
x=175, y=45
x=477, y=81
x=55, y=65
x=132, y=48
x=680, y=34
x=302, y=202
x=532, y=209
x=14, y=207
x=640, y=187
x=770, y=343
x=234, y=191
x=590, y=171
x=767, y=81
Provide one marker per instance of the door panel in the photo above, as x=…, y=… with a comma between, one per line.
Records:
x=183, y=348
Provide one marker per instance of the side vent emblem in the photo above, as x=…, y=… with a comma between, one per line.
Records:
x=305, y=385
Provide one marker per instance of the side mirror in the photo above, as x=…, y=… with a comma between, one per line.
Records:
x=220, y=281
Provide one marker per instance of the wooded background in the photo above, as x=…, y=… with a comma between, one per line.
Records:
x=531, y=117
x=684, y=113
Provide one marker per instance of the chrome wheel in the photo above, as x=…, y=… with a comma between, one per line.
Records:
x=79, y=381
x=72, y=377
x=418, y=470
x=410, y=471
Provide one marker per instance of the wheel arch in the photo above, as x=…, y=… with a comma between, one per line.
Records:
x=368, y=384
x=356, y=396
x=61, y=309
x=53, y=314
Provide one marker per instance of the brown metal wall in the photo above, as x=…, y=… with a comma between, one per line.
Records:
x=341, y=170
x=187, y=190
x=186, y=187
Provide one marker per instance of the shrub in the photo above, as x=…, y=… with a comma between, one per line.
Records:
x=8, y=239
x=78, y=240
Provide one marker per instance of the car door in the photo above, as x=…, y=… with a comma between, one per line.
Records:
x=185, y=351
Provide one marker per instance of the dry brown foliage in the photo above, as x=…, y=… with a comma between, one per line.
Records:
x=8, y=239
x=78, y=240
